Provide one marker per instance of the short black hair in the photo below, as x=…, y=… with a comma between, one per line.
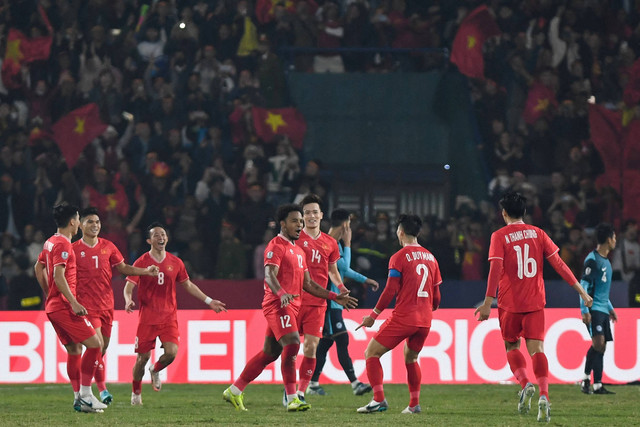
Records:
x=603, y=232
x=410, y=224
x=154, y=225
x=284, y=210
x=311, y=198
x=89, y=211
x=339, y=217
x=63, y=213
x=514, y=203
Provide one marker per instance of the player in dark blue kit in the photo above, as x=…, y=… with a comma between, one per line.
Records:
x=596, y=280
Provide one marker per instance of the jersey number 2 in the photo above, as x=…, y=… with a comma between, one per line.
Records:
x=527, y=267
x=423, y=271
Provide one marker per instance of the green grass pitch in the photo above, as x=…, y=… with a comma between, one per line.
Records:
x=200, y=404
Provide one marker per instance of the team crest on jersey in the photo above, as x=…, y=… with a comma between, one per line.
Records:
x=65, y=255
x=103, y=251
x=324, y=246
x=587, y=271
x=82, y=254
x=269, y=255
x=170, y=267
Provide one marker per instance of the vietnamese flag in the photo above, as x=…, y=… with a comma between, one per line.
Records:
x=279, y=121
x=264, y=8
x=538, y=104
x=466, y=51
x=76, y=130
x=22, y=50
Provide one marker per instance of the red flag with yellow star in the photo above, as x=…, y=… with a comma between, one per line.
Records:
x=76, y=130
x=466, y=51
x=540, y=102
x=22, y=50
x=279, y=121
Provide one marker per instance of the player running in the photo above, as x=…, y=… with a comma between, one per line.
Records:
x=414, y=279
x=286, y=275
x=158, y=308
x=95, y=258
x=516, y=254
x=55, y=271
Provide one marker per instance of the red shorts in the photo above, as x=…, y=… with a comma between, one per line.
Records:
x=515, y=325
x=147, y=334
x=102, y=319
x=311, y=320
x=70, y=327
x=392, y=333
x=281, y=321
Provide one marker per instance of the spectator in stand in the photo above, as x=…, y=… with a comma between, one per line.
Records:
x=15, y=207
x=329, y=35
x=626, y=260
x=24, y=291
x=256, y=214
x=574, y=250
x=284, y=170
x=232, y=258
x=305, y=35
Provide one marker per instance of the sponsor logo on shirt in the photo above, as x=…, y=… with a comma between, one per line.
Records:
x=170, y=267
x=306, y=244
x=82, y=254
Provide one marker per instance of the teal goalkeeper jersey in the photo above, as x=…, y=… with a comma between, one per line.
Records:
x=345, y=270
x=596, y=280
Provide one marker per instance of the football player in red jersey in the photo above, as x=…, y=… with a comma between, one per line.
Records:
x=55, y=271
x=95, y=258
x=516, y=255
x=158, y=308
x=414, y=279
x=322, y=254
x=286, y=275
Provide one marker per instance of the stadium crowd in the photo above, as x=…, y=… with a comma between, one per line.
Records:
x=175, y=82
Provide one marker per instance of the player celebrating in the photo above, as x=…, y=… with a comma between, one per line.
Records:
x=158, y=308
x=414, y=278
x=286, y=275
x=516, y=256
x=55, y=271
x=334, y=328
x=95, y=258
x=322, y=254
x=597, y=282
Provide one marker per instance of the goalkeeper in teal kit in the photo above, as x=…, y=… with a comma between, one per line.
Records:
x=334, y=328
x=596, y=280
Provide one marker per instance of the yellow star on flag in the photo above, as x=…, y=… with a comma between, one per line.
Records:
x=542, y=105
x=471, y=42
x=13, y=51
x=275, y=121
x=112, y=202
x=80, y=125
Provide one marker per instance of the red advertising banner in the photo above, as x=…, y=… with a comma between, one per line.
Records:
x=215, y=347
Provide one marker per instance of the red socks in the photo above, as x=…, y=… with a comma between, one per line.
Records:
x=100, y=374
x=157, y=367
x=414, y=378
x=307, y=367
x=73, y=370
x=541, y=371
x=518, y=366
x=254, y=367
x=88, y=365
x=288, y=367
x=374, y=372
x=137, y=387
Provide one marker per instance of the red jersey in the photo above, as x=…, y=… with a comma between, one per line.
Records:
x=94, y=273
x=291, y=262
x=419, y=274
x=522, y=249
x=58, y=251
x=319, y=254
x=157, y=295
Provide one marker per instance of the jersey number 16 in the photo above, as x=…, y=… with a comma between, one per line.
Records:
x=527, y=267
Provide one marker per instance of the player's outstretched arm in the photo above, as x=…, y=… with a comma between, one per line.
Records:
x=563, y=270
x=316, y=290
x=271, y=279
x=128, y=296
x=390, y=290
x=195, y=291
x=129, y=270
